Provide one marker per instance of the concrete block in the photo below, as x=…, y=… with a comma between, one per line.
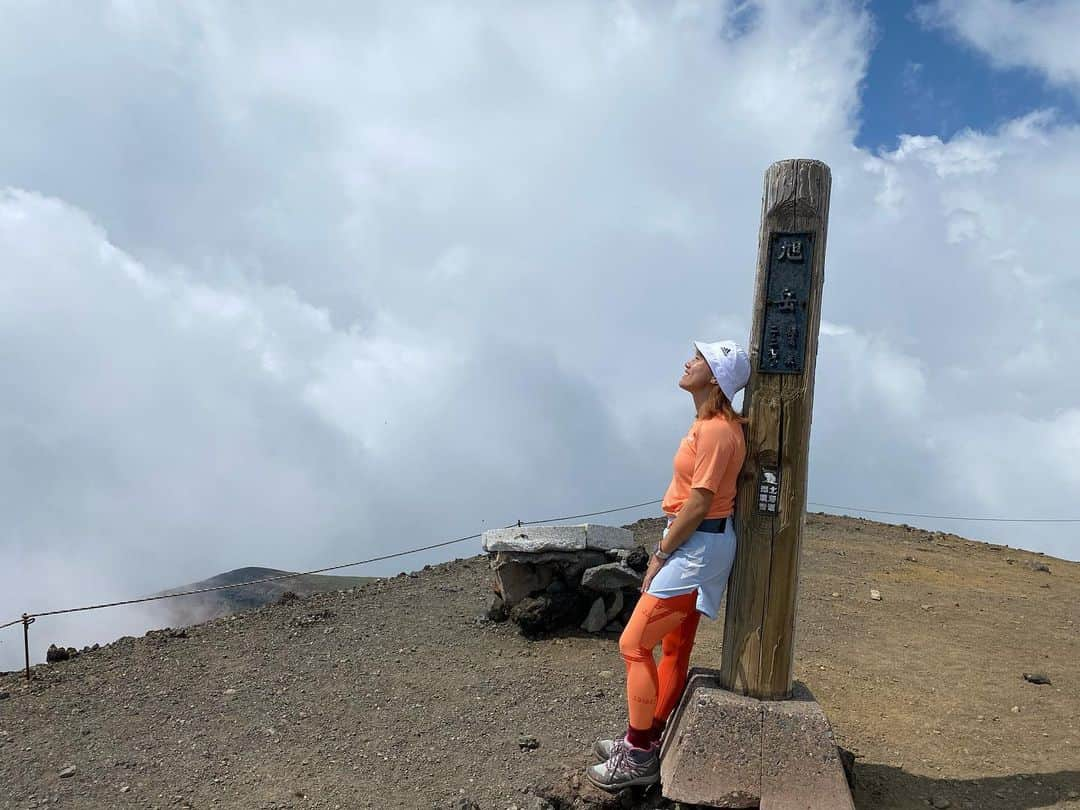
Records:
x=696, y=678
x=712, y=753
x=535, y=538
x=608, y=537
x=728, y=750
x=800, y=764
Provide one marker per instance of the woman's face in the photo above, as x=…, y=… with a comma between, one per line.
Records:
x=696, y=374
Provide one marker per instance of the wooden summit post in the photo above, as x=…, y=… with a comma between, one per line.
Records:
x=759, y=626
x=745, y=735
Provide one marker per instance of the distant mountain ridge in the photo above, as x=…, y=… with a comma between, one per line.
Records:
x=202, y=607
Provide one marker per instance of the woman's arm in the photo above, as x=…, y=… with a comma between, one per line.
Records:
x=687, y=519
x=691, y=514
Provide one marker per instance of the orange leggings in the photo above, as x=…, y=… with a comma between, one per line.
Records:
x=652, y=691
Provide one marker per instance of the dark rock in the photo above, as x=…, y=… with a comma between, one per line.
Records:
x=638, y=560
x=56, y=654
x=537, y=615
x=531, y=614
x=4, y=695
x=1036, y=677
x=167, y=633
x=526, y=743
x=461, y=803
x=496, y=611
x=287, y=597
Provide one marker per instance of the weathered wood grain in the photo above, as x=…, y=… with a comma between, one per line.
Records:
x=759, y=628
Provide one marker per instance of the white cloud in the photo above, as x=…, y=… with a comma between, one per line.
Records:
x=828, y=329
x=1002, y=460
x=1037, y=34
x=955, y=307
x=290, y=289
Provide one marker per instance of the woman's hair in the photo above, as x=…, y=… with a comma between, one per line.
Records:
x=719, y=404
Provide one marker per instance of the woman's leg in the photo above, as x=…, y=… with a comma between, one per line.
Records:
x=653, y=618
x=671, y=672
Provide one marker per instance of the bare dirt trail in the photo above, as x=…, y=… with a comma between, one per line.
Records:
x=397, y=695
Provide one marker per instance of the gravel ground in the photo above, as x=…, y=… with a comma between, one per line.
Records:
x=398, y=694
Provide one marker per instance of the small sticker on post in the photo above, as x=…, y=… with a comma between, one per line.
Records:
x=768, y=490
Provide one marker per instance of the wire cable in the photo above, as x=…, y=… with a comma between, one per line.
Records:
x=948, y=517
x=317, y=570
x=474, y=536
x=591, y=514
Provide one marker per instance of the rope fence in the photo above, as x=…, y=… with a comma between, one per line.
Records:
x=28, y=618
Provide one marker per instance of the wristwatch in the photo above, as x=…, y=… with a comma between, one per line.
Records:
x=660, y=555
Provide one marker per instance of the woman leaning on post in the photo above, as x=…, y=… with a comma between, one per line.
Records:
x=689, y=568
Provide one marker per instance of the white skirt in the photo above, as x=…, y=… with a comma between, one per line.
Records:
x=703, y=563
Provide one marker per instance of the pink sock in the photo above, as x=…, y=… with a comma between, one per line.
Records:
x=638, y=738
x=657, y=729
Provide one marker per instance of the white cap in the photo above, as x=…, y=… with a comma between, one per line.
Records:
x=729, y=363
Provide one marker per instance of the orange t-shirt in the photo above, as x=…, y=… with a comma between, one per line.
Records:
x=709, y=457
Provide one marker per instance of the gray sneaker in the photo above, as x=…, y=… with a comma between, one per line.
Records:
x=626, y=767
x=605, y=748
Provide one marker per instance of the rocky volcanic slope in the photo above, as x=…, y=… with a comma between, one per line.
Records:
x=398, y=695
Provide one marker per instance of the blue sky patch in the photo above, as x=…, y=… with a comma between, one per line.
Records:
x=924, y=81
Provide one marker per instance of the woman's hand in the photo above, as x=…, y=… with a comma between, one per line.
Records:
x=655, y=564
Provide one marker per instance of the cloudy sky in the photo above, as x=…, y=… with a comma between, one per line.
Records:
x=294, y=286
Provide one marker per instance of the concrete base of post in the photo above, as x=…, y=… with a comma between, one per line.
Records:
x=726, y=750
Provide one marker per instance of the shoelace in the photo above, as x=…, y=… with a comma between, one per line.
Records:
x=619, y=745
x=618, y=757
x=621, y=760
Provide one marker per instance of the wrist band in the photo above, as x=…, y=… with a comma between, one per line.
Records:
x=660, y=554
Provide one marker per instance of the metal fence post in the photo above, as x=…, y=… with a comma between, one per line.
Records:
x=26, y=622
